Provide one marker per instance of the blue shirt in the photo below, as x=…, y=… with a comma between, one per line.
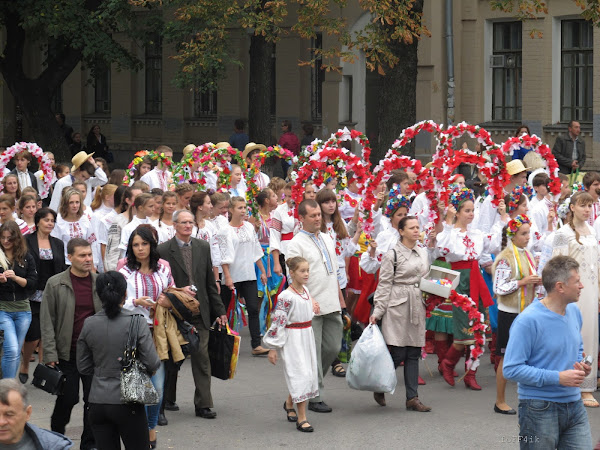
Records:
x=543, y=343
x=239, y=141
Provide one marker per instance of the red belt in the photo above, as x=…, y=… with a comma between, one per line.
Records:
x=478, y=288
x=287, y=236
x=299, y=324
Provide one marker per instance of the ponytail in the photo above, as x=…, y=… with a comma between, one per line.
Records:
x=504, y=238
x=111, y=287
x=97, y=202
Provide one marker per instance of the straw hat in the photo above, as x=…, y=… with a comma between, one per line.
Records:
x=79, y=159
x=188, y=149
x=515, y=166
x=534, y=161
x=251, y=146
x=222, y=145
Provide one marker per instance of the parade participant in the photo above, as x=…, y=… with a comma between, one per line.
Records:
x=291, y=337
x=518, y=205
x=164, y=223
x=462, y=247
x=104, y=200
x=540, y=185
x=109, y=234
x=191, y=266
x=515, y=280
x=147, y=277
x=141, y=169
x=157, y=196
x=591, y=183
x=544, y=355
x=71, y=221
x=27, y=207
x=7, y=212
x=246, y=251
x=143, y=204
x=184, y=192
x=238, y=188
x=578, y=240
x=17, y=282
x=69, y=298
x=201, y=207
x=278, y=185
x=25, y=177
x=160, y=176
x=319, y=250
x=397, y=303
x=11, y=186
x=310, y=193
x=348, y=194
x=101, y=344
x=283, y=224
x=84, y=169
x=48, y=254
x=251, y=155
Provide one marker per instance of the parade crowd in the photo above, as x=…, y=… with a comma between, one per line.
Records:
x=108, y=249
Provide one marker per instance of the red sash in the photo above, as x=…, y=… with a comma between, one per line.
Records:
x=299, y=324
x=478, y=288
x=287, y=236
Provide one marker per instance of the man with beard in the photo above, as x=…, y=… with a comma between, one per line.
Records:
x=591, y=183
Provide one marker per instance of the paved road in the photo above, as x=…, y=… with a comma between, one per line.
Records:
x=250, y=414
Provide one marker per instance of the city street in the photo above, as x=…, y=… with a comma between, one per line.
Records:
x=250, y=413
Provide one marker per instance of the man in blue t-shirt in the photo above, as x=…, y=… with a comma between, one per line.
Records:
x=544, y=355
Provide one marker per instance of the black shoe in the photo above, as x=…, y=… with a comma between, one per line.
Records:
x=508, y=412
x=153, y=444
x=171, y=406
x=23, y=377
x=162, y=420
x=320, y=407
x=206, y=413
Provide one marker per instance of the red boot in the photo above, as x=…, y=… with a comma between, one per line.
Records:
x=470, y=380
x=451, y=359
x=429, y=342
x=441, y=348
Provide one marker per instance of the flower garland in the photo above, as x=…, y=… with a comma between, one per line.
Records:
x=344, y=134
x=535, y=144
x=189, y=167
x=160, y=158
x=35, y=151
x=305, y=153
x=222, y=166
x=476, y=320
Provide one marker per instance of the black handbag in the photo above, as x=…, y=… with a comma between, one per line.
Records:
x=49, y=379
x=223, y=352
x=190, y=334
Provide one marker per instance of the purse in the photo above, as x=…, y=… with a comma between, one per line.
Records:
x=49, y=379
x=136, y=385
x=190, y=334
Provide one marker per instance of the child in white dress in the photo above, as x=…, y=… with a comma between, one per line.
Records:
x=291, y=336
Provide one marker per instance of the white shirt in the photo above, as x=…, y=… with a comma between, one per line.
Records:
x=66, y=231
x=420, y=209
x=209, y=234
x=157, y=179
x=261, y=179
x=386, y=240
x=282, y=222
x=98, y=179
x=24, y=179
x=165, y=232
x=246, y=251
x=126, y=233
x=346, y=210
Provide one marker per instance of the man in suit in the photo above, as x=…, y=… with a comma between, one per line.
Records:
x=191, y=267
x=569, y=151
x=26, y=178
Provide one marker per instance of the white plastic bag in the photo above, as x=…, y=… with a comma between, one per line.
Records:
x=371, y=367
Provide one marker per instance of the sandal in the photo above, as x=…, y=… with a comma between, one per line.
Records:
x=591, y=403
x=338, y=370
x=290, y=411
x=308, y=429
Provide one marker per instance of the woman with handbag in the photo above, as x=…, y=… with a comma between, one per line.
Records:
x=147, y=278
x=398, y=304
x=101, y=344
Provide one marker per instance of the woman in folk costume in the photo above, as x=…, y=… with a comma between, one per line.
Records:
x=515, y=280
x=282, y=229
x=578, y=240
x=462, y=247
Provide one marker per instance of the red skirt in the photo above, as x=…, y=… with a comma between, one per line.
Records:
x=358, y=279
x=362, y=310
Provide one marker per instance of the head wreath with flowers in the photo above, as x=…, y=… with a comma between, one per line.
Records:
x=515, y=197
x=577, y=187
x=395, y=201
x=36, y=152
x=160, y=158
x=515, y=224
x=193, y=166
x=459, y=196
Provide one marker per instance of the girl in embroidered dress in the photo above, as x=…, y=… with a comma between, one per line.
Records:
x=578, y=240
x=11, y=186
x=7, y=212
x=291, y=337
x=27, y=209
x=184, y=193
x=515, y=278
x=164, y=224
x=144, y=205
x=283, y=225
x=71, y=221
x=201, y=207
x=462, y=247
x=237, y=188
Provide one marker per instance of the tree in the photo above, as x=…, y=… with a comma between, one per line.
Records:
x=67, y=32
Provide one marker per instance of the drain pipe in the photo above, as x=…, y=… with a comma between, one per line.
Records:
x=450, y=65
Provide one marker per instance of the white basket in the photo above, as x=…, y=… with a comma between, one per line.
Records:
x=438, y=273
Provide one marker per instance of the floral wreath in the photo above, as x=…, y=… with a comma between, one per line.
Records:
x=460, y=196
x=252, y=189
x=515, y=224
x=305, y=153
x=577, y=187
x=182, y=172
x=139, y=157
x=535, y=144
x=515, y=197
x=222, y=166
x=35, y=151
x=344, y=134
x=395, y=201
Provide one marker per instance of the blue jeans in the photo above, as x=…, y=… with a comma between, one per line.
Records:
x=546, y=425
x=158, y=380
x=15, y=326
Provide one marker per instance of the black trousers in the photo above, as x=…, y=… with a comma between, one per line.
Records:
x=248, y=290
x=70, y=397
x=113, y=423
x=410, y=357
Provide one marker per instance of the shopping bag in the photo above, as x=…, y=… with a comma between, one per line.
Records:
x=223, y=351
x=371, y=367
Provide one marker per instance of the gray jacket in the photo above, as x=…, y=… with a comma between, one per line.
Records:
x=100, y=345
x=45, y=439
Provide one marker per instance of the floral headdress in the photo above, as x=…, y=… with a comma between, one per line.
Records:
x=515, y=197
x=563, y=209
x=515, y=224
x=460, y=196
x=578, y=187
x=396, y=200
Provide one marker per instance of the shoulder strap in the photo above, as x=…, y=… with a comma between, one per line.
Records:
x=134, y=327
x=395, y=261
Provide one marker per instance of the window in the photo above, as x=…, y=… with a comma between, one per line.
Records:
x=317, y=76
x=576, y=70
x=102, y=90
x=205, y=103
x=506, y=71
x=154, y=76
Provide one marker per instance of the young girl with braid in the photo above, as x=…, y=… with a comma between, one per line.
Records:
x=515, y=279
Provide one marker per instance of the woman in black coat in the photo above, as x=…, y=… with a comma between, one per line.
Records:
x=96, y=143
x=48, y=253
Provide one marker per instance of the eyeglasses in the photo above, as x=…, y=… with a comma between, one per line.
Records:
x=186, y=223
